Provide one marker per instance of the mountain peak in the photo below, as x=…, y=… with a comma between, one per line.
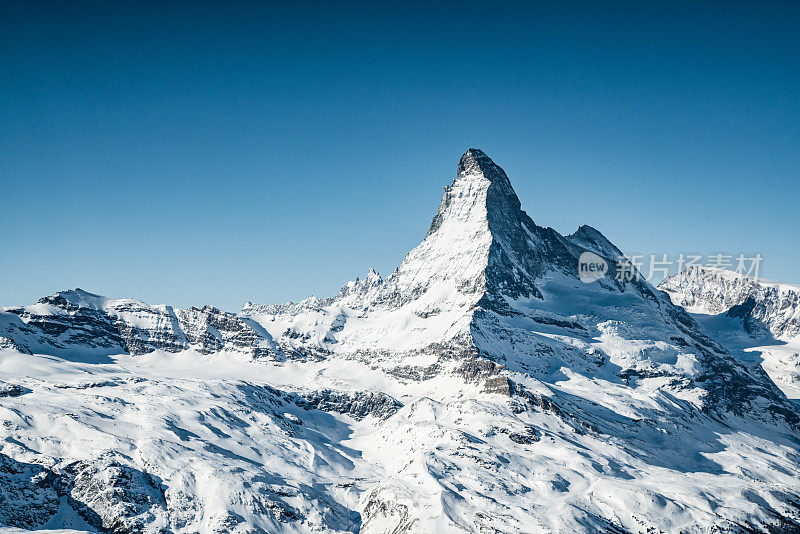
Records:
x=480, y=188
x=592, y=239
x=475, y=162
x=74, y=297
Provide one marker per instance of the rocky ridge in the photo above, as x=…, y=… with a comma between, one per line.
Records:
x=77, y=322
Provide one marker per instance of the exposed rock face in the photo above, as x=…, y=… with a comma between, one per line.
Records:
x=10, y=344
x=104, y=494
x=358, y=404
x=114, y=497
x=27, y=494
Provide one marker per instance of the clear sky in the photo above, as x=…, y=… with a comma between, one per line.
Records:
x=218, y=154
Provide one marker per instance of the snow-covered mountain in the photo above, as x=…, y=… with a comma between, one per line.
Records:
x=481, y=387
x=78, y=323
x=759, y=320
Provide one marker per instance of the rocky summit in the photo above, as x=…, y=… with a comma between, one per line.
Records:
x=483, y=386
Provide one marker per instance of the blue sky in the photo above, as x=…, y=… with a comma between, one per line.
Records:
x=210, y=154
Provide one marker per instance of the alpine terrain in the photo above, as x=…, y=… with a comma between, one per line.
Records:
x=480, y=387
x=758, y=320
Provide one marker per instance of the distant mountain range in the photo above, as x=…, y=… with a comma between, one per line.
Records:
x=759, y=320
x=480, y=387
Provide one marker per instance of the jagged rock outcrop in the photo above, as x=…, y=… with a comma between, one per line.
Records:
x=114, y=497
x=103, y=493
x=358, y=405
x=27, y=494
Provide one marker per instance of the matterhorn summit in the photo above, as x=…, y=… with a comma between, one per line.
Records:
x=483, y=386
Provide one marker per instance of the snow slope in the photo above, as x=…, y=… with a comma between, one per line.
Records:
x=481, y=387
